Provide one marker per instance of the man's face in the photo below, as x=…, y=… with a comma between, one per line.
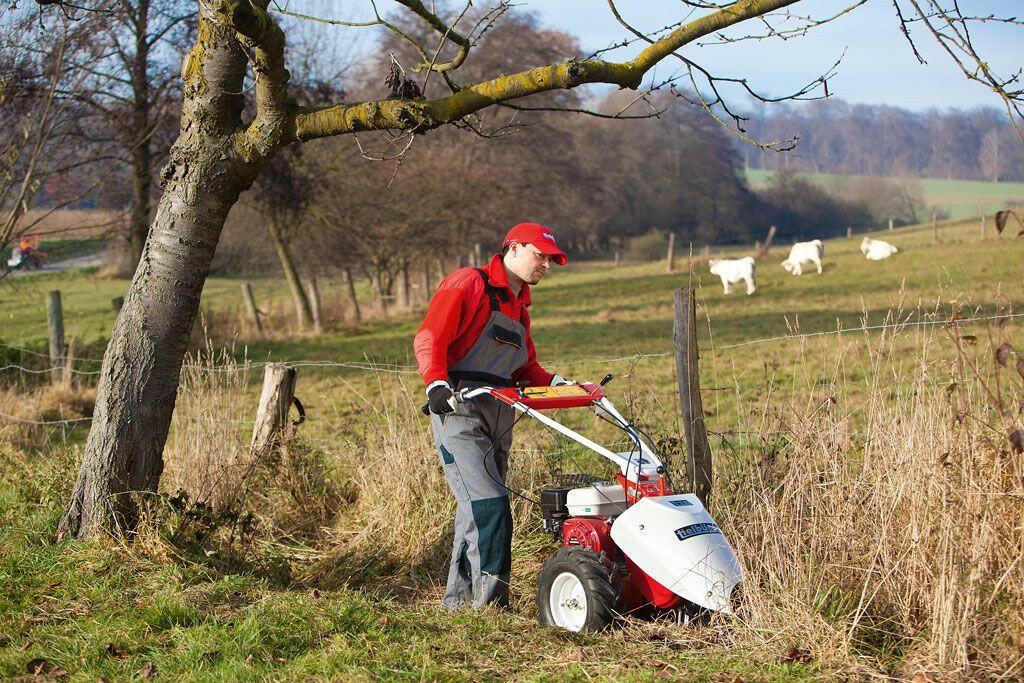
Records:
x=527, y=262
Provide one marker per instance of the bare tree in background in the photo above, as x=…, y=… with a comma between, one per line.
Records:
x=37, y=118
x=219, y=154
x=131, y=93
x=990, y=158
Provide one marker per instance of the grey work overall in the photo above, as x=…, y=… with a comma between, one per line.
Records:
x=473, y=443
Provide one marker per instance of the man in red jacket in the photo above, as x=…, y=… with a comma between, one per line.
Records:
x=477, y=332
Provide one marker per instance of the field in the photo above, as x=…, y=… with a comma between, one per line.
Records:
x=863, y=477
x=959, y=198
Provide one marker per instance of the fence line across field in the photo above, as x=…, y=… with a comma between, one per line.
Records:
x=408, y=369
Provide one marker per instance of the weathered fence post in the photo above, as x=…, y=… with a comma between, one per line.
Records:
x=935, y=224
x=478, y=255
x=250, y=305
x=117, y=303
x=618, y=258
x=983, y=220
x=670, y=260
x=849, y=231
x=272, y=415
x=762, y=250
x=350, y=285
x=890, y=223
x=314, y=305
x=698, y=450
x=58, y=348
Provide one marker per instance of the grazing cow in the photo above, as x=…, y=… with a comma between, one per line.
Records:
x=876, y=250
x=733, y=271
x=804, y=252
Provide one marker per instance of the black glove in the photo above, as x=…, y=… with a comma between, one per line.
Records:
x=438, y=398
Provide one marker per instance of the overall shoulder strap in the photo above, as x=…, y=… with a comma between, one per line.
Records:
x=494, y=294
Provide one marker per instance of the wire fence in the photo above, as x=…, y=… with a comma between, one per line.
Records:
x=409, y=369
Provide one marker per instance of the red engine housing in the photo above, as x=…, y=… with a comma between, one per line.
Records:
x=639, y=589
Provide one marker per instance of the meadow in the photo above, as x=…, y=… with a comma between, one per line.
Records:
x=959, y=199
x=864, y=476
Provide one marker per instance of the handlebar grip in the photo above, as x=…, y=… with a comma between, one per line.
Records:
x=425, y=409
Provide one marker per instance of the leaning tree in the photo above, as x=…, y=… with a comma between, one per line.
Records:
x=220, y=151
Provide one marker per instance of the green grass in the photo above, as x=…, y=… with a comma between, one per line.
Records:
x=960, y=198
x=102, y=610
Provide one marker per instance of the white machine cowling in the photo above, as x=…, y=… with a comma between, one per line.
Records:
x=675, y=541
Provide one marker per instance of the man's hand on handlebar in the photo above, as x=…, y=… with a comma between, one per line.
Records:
x=439, y=398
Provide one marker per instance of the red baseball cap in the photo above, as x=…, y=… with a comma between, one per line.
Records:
x=539, y=236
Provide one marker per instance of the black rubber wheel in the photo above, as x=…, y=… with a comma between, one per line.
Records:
x=577, y=591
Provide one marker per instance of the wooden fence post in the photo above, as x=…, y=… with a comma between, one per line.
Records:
x=478, y=255
x=762, y=251
x=890, y=224
x=350, y=285
x=671, y=257
x=935, y=224
x=271, y=426
x=849, y=232
x=250, y=305
x=58, y=348
x=618, y=258
x=314, y=305
x=698, y=450
x=983, y=217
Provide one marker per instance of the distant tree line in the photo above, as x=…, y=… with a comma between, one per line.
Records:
x=880, y=140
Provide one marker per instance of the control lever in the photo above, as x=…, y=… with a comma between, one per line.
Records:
x=607, y=378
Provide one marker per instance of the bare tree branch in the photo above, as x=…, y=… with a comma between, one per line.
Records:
x=422, y=115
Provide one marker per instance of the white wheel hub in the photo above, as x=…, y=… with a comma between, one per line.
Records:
x=568, y=602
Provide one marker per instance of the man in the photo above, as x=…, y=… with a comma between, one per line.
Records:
x=477, y=332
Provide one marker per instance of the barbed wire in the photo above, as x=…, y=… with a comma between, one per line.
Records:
x=43, y=371
x=866, y=328
x=410, y=369
x=14, y=418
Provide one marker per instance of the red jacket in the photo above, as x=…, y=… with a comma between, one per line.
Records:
x=456, y=317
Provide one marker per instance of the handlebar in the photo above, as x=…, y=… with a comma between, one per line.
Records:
x=460, y=396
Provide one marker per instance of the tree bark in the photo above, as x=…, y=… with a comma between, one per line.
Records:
x=141, y=366
x=291, y=273
x=350, y=283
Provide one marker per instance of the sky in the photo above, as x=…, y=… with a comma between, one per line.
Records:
x=878, y=65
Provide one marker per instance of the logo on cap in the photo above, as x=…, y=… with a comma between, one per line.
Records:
x=549, y=236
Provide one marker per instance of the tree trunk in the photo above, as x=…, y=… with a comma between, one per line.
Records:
x=350, y=283
x=284, y=255
x=141, y=366
x=381, y=291
x=139, y=141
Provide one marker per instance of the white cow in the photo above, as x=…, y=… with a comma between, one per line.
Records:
x=804, y=252
x=876, y=250
x=733, y=271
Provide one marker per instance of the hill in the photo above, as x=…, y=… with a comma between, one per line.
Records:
x=959, y=199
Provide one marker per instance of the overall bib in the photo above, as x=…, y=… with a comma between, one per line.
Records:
x=473, y=443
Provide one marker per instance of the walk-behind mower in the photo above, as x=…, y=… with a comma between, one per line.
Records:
x=631, y=546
